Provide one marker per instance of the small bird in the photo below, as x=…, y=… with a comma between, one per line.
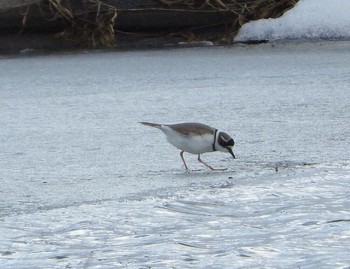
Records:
x=195, y=138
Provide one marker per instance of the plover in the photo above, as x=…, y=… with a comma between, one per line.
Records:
x=195, y=138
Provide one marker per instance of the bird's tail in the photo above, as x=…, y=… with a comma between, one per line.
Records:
x=155, y=125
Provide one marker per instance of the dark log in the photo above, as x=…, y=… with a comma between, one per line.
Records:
x=88, y=23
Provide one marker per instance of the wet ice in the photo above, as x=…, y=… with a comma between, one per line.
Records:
x=83, y=185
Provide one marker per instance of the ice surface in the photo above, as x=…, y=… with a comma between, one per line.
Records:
x=309, y=19
x=288, y=220
x=84, y=185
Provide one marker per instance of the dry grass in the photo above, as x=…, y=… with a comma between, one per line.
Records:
x=93, y=27
x=243, y=12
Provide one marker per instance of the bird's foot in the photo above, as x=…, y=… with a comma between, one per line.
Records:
x=192, y=170
x=219, y=169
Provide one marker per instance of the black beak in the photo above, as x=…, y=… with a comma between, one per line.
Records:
x=230, y=150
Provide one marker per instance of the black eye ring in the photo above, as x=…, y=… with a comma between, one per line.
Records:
x=225, y=140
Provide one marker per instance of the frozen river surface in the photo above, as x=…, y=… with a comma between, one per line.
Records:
x=84, y=185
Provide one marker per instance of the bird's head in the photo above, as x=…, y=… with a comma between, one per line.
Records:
x=226, y=142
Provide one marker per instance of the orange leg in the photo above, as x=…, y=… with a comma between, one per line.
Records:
x=207, y=165
x=182, y=157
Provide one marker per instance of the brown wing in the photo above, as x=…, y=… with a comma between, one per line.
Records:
x=192, y=128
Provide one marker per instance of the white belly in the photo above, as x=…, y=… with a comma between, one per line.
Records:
x=191, y=144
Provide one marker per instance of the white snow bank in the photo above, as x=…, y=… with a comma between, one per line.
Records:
x=309, y=19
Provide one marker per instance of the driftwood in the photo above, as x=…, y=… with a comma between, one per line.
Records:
x=94, y=23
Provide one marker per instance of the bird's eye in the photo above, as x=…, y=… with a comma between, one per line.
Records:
x=231, y=142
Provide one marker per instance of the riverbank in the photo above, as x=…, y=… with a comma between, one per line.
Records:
x=48, y=25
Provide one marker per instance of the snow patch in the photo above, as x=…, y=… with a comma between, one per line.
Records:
x=309, y=19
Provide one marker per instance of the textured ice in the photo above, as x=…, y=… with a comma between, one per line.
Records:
x=309, y=19
x=84, y=185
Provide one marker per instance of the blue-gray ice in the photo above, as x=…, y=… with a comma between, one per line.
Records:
x=84, y=185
